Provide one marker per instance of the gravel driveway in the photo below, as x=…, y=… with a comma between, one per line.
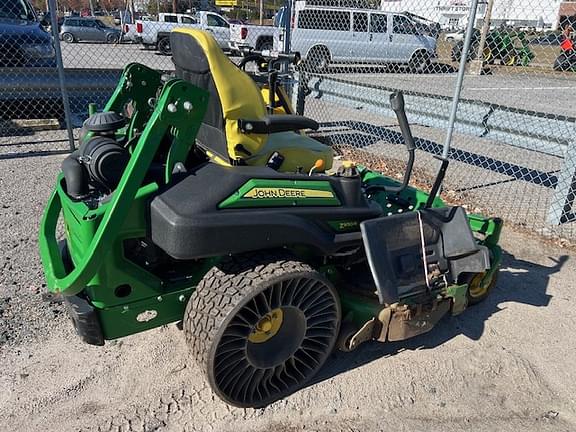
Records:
x=504, y=365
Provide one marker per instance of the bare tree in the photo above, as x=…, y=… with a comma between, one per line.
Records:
x=111, y=4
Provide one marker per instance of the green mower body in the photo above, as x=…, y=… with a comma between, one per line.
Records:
x=135, y=253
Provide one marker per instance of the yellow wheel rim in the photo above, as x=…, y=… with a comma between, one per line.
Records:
x=479, y=285
x=487, y=53
x=511, y=61
x=267, y=326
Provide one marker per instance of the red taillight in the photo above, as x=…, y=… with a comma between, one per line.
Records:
x=292, y=20
x=243, y=32
x=126, y=29
x=139, y=27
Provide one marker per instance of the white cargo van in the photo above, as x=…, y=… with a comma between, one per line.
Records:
x=325, y=35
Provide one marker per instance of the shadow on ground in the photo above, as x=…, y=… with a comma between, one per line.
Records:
x=519, y=281
x=21, y=155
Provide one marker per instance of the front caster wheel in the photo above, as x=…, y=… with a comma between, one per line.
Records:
x=260, y=326
x=480, y=286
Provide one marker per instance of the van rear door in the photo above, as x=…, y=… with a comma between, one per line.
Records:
x=405, y=39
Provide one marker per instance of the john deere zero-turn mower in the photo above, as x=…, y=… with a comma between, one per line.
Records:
x=192, y=199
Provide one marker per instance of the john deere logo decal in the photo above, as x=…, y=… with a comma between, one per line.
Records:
x=267, y=193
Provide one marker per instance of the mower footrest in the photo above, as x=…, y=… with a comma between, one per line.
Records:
x=405, y=249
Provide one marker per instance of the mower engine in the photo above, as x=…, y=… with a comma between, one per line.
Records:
x=96, y=167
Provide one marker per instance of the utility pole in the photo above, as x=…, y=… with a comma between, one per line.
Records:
x=174, y=6
x=477, y=65
x=91, y=8
x=261, y=12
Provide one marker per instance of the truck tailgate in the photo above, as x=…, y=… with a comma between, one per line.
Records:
x=236, y=32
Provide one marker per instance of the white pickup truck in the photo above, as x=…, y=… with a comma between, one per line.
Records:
x=257, y=37
x=157, y=33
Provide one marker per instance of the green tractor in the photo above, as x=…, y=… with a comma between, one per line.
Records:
x=191, y=199
x=509, y=47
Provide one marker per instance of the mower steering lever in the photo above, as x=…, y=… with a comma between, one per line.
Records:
x=397, y=104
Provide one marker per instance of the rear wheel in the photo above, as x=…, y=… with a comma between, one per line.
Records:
x=318, y=60
x=164, y=46
x=112, y=38
x=565, y=62
x=420, y=62
x=456, y=53
x=68, y=38
x=260, y=326
x=487, y=55
x=264, y=44
x=510, y=60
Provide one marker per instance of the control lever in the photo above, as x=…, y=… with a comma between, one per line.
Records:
x=397, y=104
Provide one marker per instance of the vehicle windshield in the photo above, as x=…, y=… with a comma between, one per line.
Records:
x=16, y=9
x=278, y=18
x=100, y=24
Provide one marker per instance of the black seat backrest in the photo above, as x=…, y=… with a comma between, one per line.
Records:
x=192, y=65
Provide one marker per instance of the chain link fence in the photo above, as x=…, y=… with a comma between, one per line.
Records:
x=513, y=150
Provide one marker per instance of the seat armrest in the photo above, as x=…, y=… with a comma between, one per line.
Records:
x=277, y=123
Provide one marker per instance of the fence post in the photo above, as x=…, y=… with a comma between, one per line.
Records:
x=477, y=64
x=563, y=206
x=286, y=43
x=460, y=78
x=60, y=65
x=287, y=26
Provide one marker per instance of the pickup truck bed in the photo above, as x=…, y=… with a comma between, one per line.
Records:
x=251, y=36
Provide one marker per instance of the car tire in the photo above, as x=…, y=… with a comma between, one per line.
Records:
x=420, y=62
x=264, y=44
x=510, y=59
x=68, y=38
x=456, y=53
x=318, y=60
x=164, y=46
x=562, y=63
x=112, y=39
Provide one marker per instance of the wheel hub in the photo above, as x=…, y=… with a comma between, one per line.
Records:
x=478, y=285
x=267, y=327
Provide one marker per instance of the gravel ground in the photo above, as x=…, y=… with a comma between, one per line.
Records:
x=505, y=365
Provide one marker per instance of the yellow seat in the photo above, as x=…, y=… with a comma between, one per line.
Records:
x=234, y=96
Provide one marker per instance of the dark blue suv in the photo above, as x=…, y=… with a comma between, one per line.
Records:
x=23, y=41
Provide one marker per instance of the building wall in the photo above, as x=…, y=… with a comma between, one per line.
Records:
x=454, y=13
x=568, y=13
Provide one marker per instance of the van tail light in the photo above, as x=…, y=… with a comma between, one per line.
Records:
x=243, y=33
x=139, y=27
x=126, y=29
x=292, y=19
